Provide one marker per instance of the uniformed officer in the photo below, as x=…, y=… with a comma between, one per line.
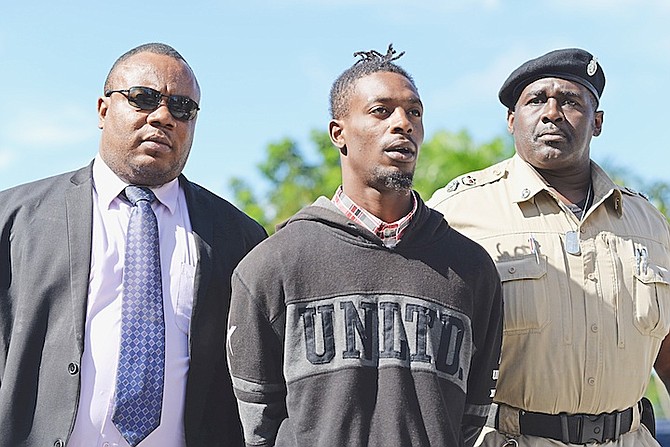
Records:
x=584, y=265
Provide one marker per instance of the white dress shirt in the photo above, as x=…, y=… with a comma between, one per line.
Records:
x=93, y=425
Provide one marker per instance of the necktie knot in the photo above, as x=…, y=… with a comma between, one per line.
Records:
x=139, y=193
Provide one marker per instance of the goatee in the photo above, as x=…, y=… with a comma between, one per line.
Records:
x=393, y=179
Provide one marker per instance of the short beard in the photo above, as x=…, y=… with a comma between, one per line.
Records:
x=392, y=179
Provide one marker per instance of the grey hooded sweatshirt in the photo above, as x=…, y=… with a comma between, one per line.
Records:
x=336, y=340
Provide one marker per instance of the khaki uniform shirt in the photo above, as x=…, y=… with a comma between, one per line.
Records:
x=581, y=331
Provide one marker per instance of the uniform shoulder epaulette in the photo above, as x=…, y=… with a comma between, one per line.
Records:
x=469, y=181
x=476, y=178
x=633, y=192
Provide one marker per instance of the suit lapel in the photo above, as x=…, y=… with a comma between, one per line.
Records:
x=203, y=232
x=79, y=215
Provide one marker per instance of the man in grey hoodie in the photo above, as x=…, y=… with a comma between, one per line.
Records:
x=366, y=320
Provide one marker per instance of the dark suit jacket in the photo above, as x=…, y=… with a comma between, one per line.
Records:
x=45, y=253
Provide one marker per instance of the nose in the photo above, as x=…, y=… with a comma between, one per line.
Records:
x=552, y=112
x=401, y=122
x=161, y=116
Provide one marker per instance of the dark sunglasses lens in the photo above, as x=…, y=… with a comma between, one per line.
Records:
x=144, y=98
x=182, y=107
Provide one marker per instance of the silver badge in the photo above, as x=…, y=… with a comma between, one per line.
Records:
x=592, y=67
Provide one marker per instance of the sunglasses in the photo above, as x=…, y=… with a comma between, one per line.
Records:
x=182, y=108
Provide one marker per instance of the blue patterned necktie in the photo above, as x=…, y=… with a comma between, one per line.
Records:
x=139, y=378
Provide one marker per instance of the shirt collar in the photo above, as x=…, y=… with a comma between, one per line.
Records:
x=604, y=189
x=108, y=186
x=389, y=233
x=527, y=183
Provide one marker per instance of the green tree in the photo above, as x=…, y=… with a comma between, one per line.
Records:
x=291, y=181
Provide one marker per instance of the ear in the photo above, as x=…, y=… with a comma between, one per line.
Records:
x=598, y=122
x=510, y=121
x=103, y=107
x=336, y=133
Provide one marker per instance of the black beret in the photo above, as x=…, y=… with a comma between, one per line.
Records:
x=571, y=64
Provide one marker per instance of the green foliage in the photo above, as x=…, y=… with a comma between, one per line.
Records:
x=293, y=182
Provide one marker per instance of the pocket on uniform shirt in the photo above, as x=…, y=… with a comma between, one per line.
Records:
x=524, y=293
x=185, y=297
x=651, y=304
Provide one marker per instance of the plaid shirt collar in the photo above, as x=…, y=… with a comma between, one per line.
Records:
x=389, y=233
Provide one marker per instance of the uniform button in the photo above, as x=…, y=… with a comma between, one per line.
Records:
x=525, y=193
x=59, y=443
x=581, y=230
x=591, y=381
x=511, y=269
x=591, y=276
x=73, y=368
x=594, y=328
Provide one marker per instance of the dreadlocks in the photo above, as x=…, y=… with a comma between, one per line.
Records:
x=370, y=62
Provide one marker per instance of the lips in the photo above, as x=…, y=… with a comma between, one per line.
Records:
x=404, y=150
x=552, y=135
x=158, y=142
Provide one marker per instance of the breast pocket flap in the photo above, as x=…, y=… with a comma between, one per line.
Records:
x=524, y=267
x=654, y=274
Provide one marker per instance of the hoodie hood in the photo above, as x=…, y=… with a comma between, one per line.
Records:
x=425, y=225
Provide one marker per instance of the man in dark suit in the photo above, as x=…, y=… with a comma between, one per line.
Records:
x=63, y=268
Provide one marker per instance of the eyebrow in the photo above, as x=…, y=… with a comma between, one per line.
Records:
x=569, y=93
x=414, y=100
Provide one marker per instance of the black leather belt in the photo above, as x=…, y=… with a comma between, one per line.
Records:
x=575, y=428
